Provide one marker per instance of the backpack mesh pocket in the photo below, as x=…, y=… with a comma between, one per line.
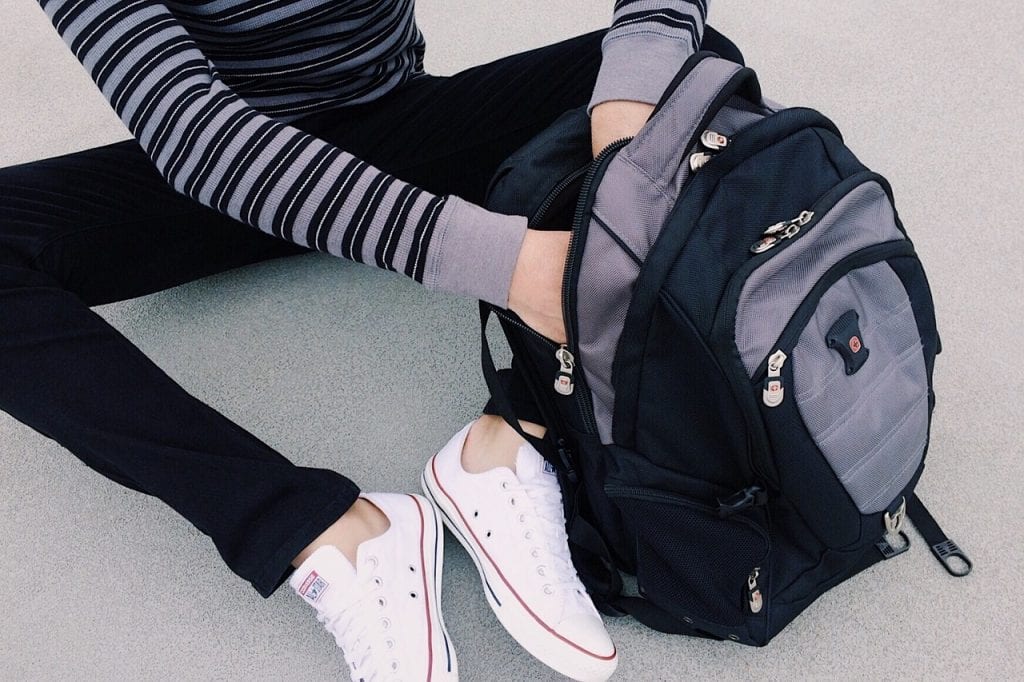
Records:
x=690, y=561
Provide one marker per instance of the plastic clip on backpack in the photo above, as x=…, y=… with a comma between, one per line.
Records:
x=741, y=412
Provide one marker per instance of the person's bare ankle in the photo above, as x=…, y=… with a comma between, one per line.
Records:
x=363, y=521
x=492, y=443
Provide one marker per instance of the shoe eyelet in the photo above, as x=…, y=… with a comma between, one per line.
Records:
x=540, y=570
x=512, y=501
x=394, y=666
x=412, y=569
x=528, y=535
x=476, y=514
x=382, y=602
x=548, y=589
x=488, y=533
x=413, y=595
x=535, y=553
x=385, y=623
x=504, y=485
x=522, y=518
x=378, y=581
x=372, y=561
x=389, y=643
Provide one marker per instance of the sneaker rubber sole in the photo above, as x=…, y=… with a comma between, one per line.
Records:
x=522, y=623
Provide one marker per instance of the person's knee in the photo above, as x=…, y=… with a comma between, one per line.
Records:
x=16, y=271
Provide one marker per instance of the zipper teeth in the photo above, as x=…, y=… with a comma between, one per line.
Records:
x=820, y=210
x=646, y=494
x=511, y=320
x=570, y=259
x=656, y=496
x=797, y=323
x=553, y=194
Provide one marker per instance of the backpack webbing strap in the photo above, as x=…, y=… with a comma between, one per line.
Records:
x=499, y=396
x=942, y=547
x=593, y=561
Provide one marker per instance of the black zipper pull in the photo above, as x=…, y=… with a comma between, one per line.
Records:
x=754, y=496
x=565, y=454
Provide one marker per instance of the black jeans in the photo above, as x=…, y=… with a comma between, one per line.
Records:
x=101, y=225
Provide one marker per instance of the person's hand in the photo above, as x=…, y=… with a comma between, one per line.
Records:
x=614, y=120
x=536, y=291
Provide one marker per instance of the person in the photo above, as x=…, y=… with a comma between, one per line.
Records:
x=314, y=122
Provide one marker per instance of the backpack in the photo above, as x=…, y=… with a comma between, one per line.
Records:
x=742, y=410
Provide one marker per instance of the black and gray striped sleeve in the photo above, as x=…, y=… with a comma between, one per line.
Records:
x=213, y=147
x=645, y=46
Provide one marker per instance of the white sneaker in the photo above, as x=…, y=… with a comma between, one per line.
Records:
x=513, y=527
x=385, y=612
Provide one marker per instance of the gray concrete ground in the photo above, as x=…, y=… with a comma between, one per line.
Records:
x=102, y=583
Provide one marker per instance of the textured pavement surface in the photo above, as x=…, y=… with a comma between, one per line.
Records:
x=101, y=583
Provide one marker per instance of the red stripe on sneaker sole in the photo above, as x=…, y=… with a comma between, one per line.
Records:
x=433, y=467
x=426, y=594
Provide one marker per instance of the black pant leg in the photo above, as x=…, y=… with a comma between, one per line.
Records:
x=100, y=226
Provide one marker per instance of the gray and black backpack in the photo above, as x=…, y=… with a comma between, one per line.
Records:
x=742, y=410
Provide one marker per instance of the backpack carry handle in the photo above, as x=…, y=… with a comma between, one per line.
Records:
x=704, y=84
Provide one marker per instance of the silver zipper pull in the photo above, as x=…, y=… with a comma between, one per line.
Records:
x=698, y=160
x=564, y=384
x=754, y=597
x=786, y=229
x=714, y=141
x=773, y=392
x=764, y=244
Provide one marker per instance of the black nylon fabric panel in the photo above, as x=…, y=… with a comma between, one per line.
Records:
x=775, y=184
x=694, y=564
x=687, y=420
x=806, y=477
x=912, y=275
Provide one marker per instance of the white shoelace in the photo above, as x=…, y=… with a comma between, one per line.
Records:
x=548, y=519
x=354, y=627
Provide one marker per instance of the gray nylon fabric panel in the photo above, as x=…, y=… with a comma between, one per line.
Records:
x=635, y=205
x=637, y=192
x=871, y=426
x=656, y=149
x=773, y=292
x=602, y=303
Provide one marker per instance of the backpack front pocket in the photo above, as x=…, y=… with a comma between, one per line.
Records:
x=708, y=570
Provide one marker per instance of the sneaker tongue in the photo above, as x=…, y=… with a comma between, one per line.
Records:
x=531, y=466
x=324, y=575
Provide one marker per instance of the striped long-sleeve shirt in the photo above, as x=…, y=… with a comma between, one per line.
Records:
x=208, y=90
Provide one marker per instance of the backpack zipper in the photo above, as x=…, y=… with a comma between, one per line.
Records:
x=569, y=351
x=563, y=184
x=869, y=255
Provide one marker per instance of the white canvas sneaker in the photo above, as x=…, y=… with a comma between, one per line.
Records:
x=385, y=612
x=513, y=526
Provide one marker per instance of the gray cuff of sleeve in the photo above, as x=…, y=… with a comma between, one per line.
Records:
x=638, y=67
x=474, y=252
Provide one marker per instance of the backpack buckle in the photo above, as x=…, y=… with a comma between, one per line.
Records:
x=754, y=496
x=894, y=520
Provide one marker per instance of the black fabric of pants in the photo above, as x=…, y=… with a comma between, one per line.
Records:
x=101, y=225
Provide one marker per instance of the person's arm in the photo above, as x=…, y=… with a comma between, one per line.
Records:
x=213, y=147
x=645, y=46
